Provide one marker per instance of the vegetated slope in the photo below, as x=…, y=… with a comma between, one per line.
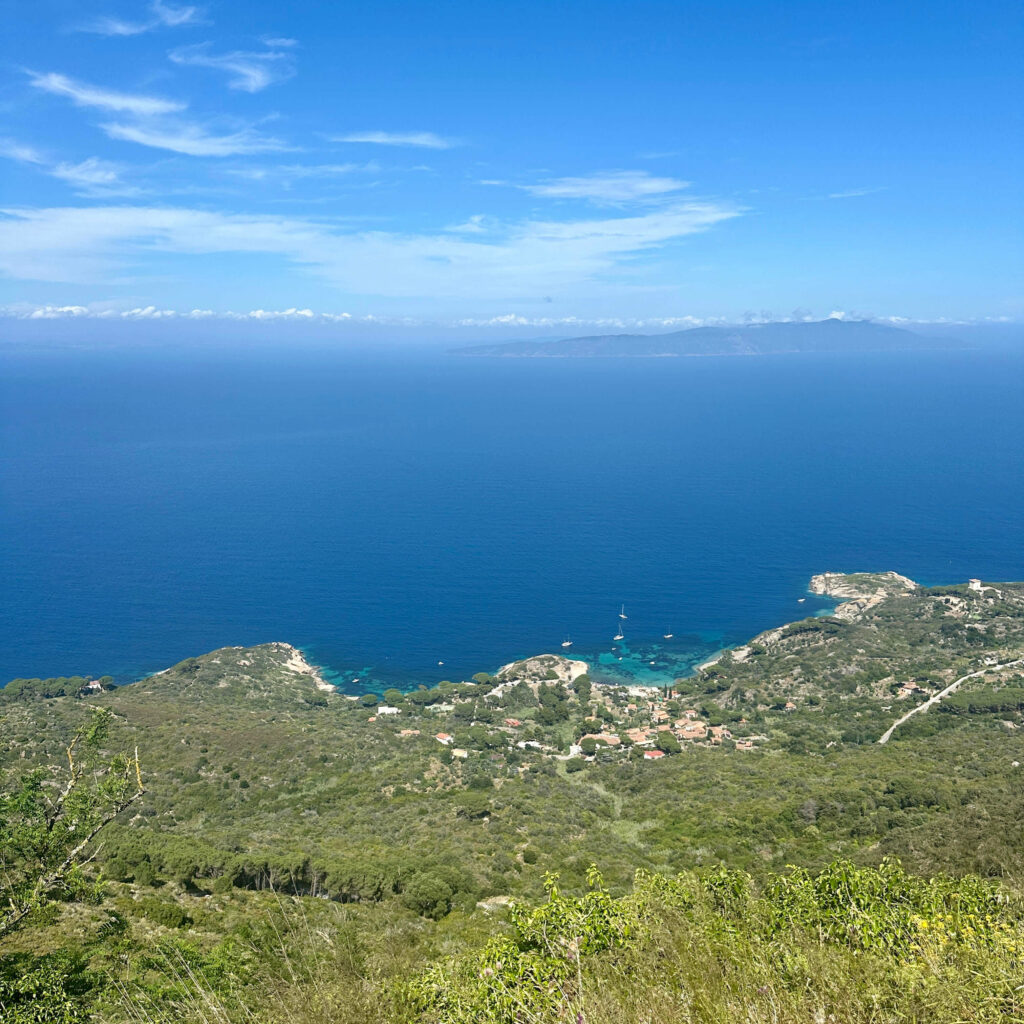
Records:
x=832, y=335
x=260, y=781
x=256, y=776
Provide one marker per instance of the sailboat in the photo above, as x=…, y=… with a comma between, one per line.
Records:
x=567, y=642
x=667, y=636
x=620, y=635
x=622, y=613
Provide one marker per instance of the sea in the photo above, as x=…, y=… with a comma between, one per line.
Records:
x=410, y=516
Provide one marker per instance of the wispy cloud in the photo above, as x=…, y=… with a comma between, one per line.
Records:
x=163, y=16
x=425, y=140
x=287, y=174
x=194, y=139
x=94, y=177
x=84, y=95
x=14, y=150
x=529, y=258
x=91, y=177
x=248, y=72
x=852, y=193
x=611, y=187
x=475, y=225
x=149, y=124
x=279, y=41
x=173, y=16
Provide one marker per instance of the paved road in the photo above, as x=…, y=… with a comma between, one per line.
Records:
x=944, y=693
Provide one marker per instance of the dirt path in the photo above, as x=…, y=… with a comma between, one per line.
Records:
x=944, y=693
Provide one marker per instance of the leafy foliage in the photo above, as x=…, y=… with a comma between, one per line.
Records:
x=47, y=823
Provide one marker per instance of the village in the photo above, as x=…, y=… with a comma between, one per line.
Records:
x=548, y=706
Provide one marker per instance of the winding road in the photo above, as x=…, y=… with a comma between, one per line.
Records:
x=944, y=693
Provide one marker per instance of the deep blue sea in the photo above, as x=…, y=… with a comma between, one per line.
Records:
x=390, y=513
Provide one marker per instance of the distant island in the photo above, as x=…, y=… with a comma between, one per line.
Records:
x=750, y=340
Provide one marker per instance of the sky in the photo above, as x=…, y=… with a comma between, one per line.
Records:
x=542, y=164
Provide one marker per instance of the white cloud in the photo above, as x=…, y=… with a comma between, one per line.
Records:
x=104, y=311
x=56, y=312
x=854, y=192
x=193, y=139
x=248, y=72
x=173, y=16
x=106, y=26
x=605, y=187
x=526, y=259
x=164, y=16
x=475, y=225
x=14, y=150
x=426, y=140
x=91, y=177
x=94, y=177
x=89, y=172
x=84, y=95
x=287, y=174
x=279, y=41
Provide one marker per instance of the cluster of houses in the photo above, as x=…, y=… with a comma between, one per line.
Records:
x=689, y=729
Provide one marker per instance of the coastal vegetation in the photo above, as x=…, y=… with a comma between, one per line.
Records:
x=300, y=855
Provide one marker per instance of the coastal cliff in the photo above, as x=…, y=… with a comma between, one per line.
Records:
x=860, y=591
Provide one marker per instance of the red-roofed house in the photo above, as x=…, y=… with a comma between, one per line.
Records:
x=602, y=737
x=693, y=731
x=653, y=755
x=639, y=735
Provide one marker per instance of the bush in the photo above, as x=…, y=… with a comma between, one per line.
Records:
x=847, y=943
x=428, y=894
x=169, y=915
x=43, y=989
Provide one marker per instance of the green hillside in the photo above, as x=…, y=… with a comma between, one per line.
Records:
x=357, y=857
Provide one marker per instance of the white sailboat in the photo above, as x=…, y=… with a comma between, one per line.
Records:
x=667, y=636
x=567, y=642
x=620, y=635
x=622, y=613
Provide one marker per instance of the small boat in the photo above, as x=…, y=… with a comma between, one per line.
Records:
x=622, y=613
x=567, y=642
x=440, y=663
x=619, y=636
x=800, y=600
x=667, y=636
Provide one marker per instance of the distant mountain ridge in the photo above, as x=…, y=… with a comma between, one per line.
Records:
x=750, y=340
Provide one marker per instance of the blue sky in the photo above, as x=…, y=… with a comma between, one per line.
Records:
x=540, y=163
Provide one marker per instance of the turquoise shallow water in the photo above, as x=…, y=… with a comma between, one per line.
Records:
x=645, y=660
x=388, y=514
